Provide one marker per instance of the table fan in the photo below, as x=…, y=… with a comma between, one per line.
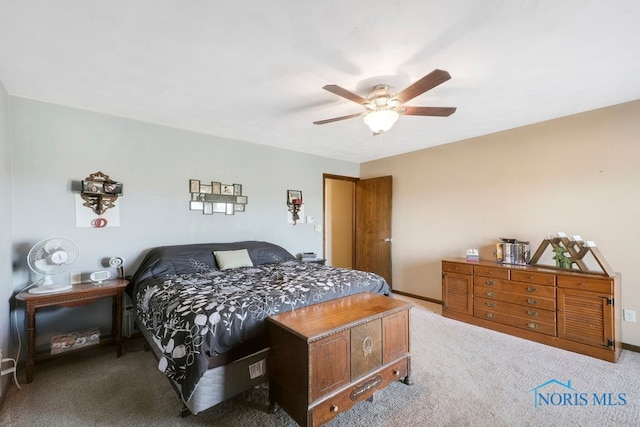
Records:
x=50, y=257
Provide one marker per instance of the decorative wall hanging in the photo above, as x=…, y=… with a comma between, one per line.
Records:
x=294, y=204
x=100, y=192
x=572, y=251
x=216, y=197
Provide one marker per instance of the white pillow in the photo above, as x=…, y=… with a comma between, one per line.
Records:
x=232, y=259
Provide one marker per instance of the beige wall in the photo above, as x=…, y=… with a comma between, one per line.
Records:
x=339, y=222
x=579, y=174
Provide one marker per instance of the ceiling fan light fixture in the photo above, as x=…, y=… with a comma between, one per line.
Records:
x=381, y=120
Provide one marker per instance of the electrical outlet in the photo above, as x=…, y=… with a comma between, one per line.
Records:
x=629, y=315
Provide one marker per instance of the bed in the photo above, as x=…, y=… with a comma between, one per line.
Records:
x=202, y=310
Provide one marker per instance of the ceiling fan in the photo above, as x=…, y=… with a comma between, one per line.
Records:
x=383, y=107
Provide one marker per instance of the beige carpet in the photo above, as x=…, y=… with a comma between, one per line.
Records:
x=463, y=376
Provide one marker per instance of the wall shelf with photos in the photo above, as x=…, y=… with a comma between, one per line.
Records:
x=216, y=197
x=100, y=192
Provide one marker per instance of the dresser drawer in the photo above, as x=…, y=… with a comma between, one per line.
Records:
x=533, y=313
x=516, y=287
x=526, y=300
x=604, y=286
x=454, y=267
x=484, y=271
x=548, y=279
x=362, y=390
x=519, y=322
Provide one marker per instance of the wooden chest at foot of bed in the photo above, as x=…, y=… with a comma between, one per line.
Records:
x=325, y=358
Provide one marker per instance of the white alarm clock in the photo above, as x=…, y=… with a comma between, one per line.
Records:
x=100, y=276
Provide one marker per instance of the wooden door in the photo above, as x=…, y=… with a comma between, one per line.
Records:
x=373, y=226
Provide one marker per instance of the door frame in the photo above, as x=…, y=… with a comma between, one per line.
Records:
x=325, y=177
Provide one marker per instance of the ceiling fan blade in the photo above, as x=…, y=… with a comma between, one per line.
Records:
x=345, y=93
x=427, y=111
x=429, y=81
x=336, y=119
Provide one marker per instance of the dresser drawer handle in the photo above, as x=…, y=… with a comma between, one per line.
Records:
x=490, y=304
x=489, y=283
x=532, y=301
x=334, y=408
x=396, y=372
x=532, y=313
x=532, y=325
x=491, y=294
x=531, y=289
x=490, y=315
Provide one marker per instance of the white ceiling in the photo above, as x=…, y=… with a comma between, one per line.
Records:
x=254, y=70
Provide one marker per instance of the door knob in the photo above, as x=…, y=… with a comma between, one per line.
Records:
x=388, y=239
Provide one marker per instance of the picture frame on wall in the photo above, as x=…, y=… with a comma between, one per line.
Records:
x=205, y=188
x=215, y=187
x=112, y=188
x=207, y=208
x=92, y=187
x=194, y=185
x=293, y=195
x=238, y=207
x=230, y=209
x=242, y=199
x=227, y=189
x=196, y=205
x=237, y=189
x=220, y=207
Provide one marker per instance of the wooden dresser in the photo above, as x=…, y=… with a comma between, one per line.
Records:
x=325, y=358
x=566, y=309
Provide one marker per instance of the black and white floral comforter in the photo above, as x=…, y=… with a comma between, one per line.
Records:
x=204, y=313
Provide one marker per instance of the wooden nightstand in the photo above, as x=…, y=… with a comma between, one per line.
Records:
x=80, y=294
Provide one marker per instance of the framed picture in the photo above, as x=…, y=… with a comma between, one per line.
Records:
x=205, y=188
x=230, y=209
x=242, y=199
x=227, y=189
x=220, y=207
x=207, y=208
x=238, y=207
x=215, y=188
x=294, y=197
x=195, y=205
x=112, y=187
x=92, y=187
x=237, y=189
x=194, y=185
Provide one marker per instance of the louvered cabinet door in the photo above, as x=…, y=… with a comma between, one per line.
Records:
x=586, y=317
x=457, y=293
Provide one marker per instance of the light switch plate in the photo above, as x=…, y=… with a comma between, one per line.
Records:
x=629, y=315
